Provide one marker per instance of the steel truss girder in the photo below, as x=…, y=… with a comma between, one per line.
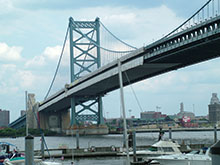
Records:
x=87, y=107
x=84, y=118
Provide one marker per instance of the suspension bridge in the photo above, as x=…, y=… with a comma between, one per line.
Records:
x=94, y=58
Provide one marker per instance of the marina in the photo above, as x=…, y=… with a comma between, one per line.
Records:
x=104, y=148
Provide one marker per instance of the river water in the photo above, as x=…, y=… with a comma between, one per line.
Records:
x=109, y=140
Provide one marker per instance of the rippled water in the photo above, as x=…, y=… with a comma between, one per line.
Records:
x=108, y=140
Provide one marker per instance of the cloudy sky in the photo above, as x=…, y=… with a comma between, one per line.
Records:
x=32, y=34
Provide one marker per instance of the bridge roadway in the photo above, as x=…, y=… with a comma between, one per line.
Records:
x=187, y=47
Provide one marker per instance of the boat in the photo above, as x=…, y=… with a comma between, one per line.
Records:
x=162, y=147
x=7, y=151
x=21, y=161
x=196, y=158
x=10, y=155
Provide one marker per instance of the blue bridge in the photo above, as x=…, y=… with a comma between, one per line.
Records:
x=94, y=67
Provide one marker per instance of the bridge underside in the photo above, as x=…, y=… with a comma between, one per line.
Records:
x=177, y=58
x=191, y=46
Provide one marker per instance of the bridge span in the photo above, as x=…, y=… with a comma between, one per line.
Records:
x=190, y=46
x=194, y=41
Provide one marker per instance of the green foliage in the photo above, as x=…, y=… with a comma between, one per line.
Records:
x=10, y=132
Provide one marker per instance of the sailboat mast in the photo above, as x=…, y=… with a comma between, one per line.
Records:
x=26, y=106
x=123, y=110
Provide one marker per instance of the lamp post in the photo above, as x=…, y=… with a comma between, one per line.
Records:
x=129, y=112
x=157, y=108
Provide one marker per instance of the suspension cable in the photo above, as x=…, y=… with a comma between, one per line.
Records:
x=58, y=65
x=112, y=51
x=117, y=37
x=186, y=20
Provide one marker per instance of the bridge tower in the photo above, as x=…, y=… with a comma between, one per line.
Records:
x=85, y=56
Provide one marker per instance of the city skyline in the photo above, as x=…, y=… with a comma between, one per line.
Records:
x=32, y=35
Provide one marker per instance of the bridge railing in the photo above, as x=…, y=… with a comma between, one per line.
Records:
x=208, y=11
x=202, y=18
x=187, y=36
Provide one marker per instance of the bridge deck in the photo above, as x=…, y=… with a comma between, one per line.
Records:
x=191, y=46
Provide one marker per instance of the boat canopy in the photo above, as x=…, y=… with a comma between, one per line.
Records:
x=7, y=144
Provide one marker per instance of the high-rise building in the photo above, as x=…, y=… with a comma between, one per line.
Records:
x=4, y=118
x=214, y=109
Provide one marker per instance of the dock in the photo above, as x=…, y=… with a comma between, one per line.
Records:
x=147, y=130
x=102, y=151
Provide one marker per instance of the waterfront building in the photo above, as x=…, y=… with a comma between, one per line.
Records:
x=183, y=113
x=149, y=115
x=214, y=109
x=4, y=118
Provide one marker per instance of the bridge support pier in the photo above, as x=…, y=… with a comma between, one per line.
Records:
x=73, y=111
x=32, y=110
x=55, y=121
x=100, y=111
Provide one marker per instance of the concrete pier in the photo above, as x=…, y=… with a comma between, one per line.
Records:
x=88, y=130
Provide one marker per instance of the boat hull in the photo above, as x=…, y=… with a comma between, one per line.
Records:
x=184, y=162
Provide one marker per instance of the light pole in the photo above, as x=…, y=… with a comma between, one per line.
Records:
x=157, y=108
x=129, y=112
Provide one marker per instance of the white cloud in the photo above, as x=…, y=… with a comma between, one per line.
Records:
x=52, y=53
x=49, y=56
x=6, y=89
x=10, y=53
x=125, y=17
x=157, y=84
x=26, y=78
x=37, y=61
x=138, y=26
x=7, y=83
x=200, y=78
x=5, y=6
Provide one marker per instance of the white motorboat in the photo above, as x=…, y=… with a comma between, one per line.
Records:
x=162, y=147
x=194, y=158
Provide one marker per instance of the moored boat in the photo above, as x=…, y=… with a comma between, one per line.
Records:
x=7, y=151
x=162, y=147
x=10, y=155
x=195, y=158
x=21, y=161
